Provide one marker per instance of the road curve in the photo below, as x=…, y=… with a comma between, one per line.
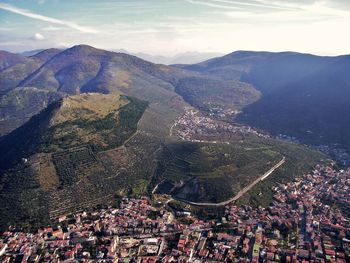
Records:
x=241, y=192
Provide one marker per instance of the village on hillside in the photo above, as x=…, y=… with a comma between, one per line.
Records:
x=196, y=127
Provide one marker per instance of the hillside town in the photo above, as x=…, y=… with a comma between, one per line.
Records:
x=307, y=221
x=196, y=127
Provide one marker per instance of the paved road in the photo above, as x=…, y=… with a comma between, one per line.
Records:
x=241, y=192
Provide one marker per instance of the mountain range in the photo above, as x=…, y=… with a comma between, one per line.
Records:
x=179, y=58
x=83, y=125
x=302, y=95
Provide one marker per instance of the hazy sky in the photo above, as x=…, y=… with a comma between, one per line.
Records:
x=172, y=26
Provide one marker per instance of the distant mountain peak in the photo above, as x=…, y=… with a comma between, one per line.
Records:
x=85, y=49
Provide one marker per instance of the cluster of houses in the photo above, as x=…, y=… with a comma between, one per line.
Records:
x=308, y=221
x=193, y=126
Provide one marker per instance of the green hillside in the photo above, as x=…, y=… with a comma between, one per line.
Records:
x=52, y=160
x=207, y=94
x=213, y=172
x=100, y=121
x=18, y=105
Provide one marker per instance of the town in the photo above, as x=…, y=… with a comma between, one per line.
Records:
x=308, y=221
x=196, y=127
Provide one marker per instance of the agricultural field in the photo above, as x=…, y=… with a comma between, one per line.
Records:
x=299, y=160
x=70, y=163
x=213, y=172
x=61, y=126
x=60, y=159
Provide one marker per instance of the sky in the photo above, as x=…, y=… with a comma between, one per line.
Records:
x=168, y=27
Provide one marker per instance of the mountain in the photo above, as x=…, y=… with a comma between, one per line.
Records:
x=209, y=94
x=85, y=125
x=57, y=160
x=31, y=52
x=82, y=69
x=265, y=70
x=8, y=59
x=303, y=95
x=20, y=104
x=19, y=67
x=86, y=69
x=102, y=121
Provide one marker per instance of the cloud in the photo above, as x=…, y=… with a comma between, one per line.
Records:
x=211, y=4
x=238, y=5
x=38, y=36
x=47, y=19
x=52, y=28
x=259, y=4
x=311, y=13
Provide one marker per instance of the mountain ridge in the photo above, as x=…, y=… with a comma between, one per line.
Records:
x=82, y=68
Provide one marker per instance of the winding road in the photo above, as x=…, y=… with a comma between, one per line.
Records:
x=241, y=192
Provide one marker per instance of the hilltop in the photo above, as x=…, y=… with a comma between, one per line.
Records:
x=56, y=152
x=101, y=121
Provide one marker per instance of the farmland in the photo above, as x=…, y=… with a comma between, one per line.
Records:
x=216, y=172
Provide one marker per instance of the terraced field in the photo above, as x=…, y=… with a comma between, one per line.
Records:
x=212, y=172
x=203, y=172
x=69, y=164
x=60, y=158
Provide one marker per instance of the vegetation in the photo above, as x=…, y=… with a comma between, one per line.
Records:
x=206, y=93
x=299, y=160
x=18, y=105
x=47, y=132
x=50, y=165
x=68, y=162
x=215, y=172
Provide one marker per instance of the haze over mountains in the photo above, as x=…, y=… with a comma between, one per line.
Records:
x=115, y=136
x=180, y=58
